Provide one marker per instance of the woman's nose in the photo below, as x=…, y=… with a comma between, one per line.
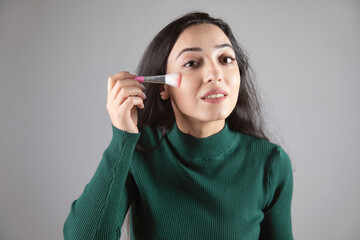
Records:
x=212, y=73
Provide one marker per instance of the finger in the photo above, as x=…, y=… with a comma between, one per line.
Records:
x=112, y=79
x=131, y=82
x=114, y=92
x=130, y=102
x=122, y=84
x=128, y=92
x=127, y=87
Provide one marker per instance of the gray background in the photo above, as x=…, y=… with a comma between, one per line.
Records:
x=55, y=57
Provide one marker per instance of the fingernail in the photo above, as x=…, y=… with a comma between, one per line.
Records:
x=144, y=95
x=143, y=87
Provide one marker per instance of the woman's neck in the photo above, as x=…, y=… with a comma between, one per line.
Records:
x=200, y=129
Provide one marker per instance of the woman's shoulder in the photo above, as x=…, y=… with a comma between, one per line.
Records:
x=265, y=149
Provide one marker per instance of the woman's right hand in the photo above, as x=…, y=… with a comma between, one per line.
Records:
x=124, y=95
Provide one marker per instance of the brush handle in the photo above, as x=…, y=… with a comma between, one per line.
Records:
x=151, y=79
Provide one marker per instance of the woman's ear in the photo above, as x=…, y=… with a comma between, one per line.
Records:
x=163, y=93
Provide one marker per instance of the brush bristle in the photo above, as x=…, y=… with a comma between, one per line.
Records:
x=173, y=79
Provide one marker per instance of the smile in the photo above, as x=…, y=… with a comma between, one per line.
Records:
x=214, y=96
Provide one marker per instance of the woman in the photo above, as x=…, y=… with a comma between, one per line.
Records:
x=195, y=163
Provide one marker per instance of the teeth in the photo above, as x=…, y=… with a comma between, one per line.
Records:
x=215, y=96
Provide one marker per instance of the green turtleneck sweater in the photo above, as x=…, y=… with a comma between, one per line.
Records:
x=226, y=186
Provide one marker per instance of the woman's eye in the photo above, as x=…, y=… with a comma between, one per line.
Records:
x=191, y=64
x=227, y=60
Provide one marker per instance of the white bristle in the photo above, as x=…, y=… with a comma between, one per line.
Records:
x=173, y=79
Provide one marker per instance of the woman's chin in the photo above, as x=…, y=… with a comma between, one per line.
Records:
x=214, y=117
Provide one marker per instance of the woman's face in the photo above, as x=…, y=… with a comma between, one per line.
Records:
x=204, y=56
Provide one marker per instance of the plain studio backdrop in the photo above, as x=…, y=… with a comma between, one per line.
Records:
x=55, y=57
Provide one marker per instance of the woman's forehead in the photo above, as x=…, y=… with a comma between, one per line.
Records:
x=204, y=36
x=201, y=33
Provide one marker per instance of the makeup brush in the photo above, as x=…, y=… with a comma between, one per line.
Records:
x=172, y=79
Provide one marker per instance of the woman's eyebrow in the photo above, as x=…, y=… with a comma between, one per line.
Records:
x=197, y=49
x=224, y=45
x=193, y=49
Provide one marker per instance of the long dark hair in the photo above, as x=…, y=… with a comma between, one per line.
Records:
x=157, y=113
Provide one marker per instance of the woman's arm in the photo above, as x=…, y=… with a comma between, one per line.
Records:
x=277, y=214
x=100, y=210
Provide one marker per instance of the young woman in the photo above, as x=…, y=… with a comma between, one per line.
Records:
x=193, y=162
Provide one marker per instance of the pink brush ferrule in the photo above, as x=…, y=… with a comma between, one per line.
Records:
x=140, y=79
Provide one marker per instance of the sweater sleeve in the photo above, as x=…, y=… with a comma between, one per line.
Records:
x=100, y=210
x=277, y=213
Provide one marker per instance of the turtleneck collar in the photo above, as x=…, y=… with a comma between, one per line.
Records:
x=194, y=147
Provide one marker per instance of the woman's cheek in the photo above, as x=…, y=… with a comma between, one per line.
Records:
x=235, y=80
x=186, y=82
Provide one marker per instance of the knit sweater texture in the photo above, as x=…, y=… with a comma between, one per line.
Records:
x=226, y=186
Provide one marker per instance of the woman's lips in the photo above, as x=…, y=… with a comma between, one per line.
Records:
x=215, y=91
x=216, y=99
